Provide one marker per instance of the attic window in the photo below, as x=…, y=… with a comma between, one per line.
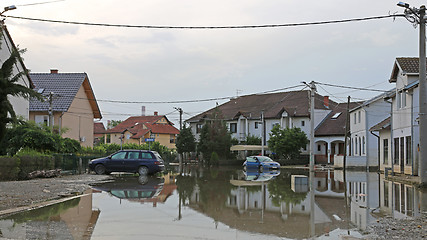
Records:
x=41, y=90
x=336, y=115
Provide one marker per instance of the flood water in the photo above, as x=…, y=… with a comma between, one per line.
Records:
x=223, y=203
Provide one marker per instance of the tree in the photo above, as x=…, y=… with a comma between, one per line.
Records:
x=215, y=137
x=287, y=142
x=253, y=140
x=185, y=141
x=10, y=86
x=113, y=123
x=37, y=137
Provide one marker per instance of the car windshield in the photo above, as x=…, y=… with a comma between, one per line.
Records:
x=264, y=159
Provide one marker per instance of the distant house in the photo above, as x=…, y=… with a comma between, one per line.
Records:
x=137, y=129
x=72, y=102
x=363, y=148
x=287, y=109
x=330, y=134
x=20, y=105
x=98, y=132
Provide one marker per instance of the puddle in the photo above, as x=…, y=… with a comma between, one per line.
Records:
x=224, y=203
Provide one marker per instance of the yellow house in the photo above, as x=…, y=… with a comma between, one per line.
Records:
x=71, y=102
x=138, y=129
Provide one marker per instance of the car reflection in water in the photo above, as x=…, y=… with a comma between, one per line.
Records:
x=141, y=189
x=257, y=176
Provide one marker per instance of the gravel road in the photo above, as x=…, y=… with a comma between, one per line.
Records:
x=14, y=194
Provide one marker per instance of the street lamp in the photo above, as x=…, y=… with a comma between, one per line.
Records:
x=11, y=7
x=417, y=17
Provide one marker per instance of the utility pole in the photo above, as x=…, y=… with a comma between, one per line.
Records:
x=180, y=118
x=262, y=133
x=312, y=95
x=423, y=98
x=417, y=17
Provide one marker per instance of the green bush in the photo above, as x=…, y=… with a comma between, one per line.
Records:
x=9, y=168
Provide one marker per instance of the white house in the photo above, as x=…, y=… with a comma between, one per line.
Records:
x=20, y=105
x=287, y=109
x=363, y=148
x=399, y=136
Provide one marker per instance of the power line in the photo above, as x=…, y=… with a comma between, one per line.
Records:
x=39, y=3
x=180, y=101
x=211, y=27
x=355, y=88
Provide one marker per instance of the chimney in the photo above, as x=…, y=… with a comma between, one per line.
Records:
x=156, y=113
x=143, y=111
x=326, y=101
x=53, y=71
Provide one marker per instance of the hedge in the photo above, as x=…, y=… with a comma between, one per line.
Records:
x=18, y=167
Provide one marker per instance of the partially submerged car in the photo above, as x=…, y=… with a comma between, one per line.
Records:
x=260, y=163
x=135, y=161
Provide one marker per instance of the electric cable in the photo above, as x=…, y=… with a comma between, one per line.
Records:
x=210, y=27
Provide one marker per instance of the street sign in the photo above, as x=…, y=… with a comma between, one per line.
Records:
x=149, y=139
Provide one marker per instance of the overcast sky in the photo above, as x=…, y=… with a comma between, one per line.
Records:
x=139, y=64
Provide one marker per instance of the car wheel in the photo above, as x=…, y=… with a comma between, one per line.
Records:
x=143, y=179
x=143, y=170
x=261, y=168
x=100, y=169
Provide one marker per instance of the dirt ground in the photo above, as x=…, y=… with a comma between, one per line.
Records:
x=15, y=194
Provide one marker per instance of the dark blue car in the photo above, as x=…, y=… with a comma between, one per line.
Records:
x=260, y=163
x=134, y=161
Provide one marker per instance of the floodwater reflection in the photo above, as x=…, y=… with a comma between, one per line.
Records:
x=227, y=203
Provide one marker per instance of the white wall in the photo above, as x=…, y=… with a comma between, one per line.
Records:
x=20, y=105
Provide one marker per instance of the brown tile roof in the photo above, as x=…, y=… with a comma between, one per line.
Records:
x=335, y=126
x=408, y=65
x=384, y=124
x=295, y=103
x=98, y=128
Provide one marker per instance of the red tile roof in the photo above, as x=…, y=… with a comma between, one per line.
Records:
x=134, y=121
x=141, y=125
x=162, y=128
x=98, y=128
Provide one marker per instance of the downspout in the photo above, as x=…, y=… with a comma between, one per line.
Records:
x=60, y=123
x=379, y=147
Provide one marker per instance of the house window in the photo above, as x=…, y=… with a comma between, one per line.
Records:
x=355, y=146
x=355, y=118
x=233, y=127
x=396, y=150
x=127, y=136
x=360, y=116
x=363, y=145
x=399, y=99
x=385, y=151
x=360, y=147
x=402, y=148
x=403, y=99
x=386, y=197
x=256, y=125
x=172, y=139
x=42, y=119
x=408, y=150
x=302, y=123
x=319, y=147
x=108, y=139
x=199, y=128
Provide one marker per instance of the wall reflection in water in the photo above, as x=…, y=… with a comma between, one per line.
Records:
x=73, y=219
